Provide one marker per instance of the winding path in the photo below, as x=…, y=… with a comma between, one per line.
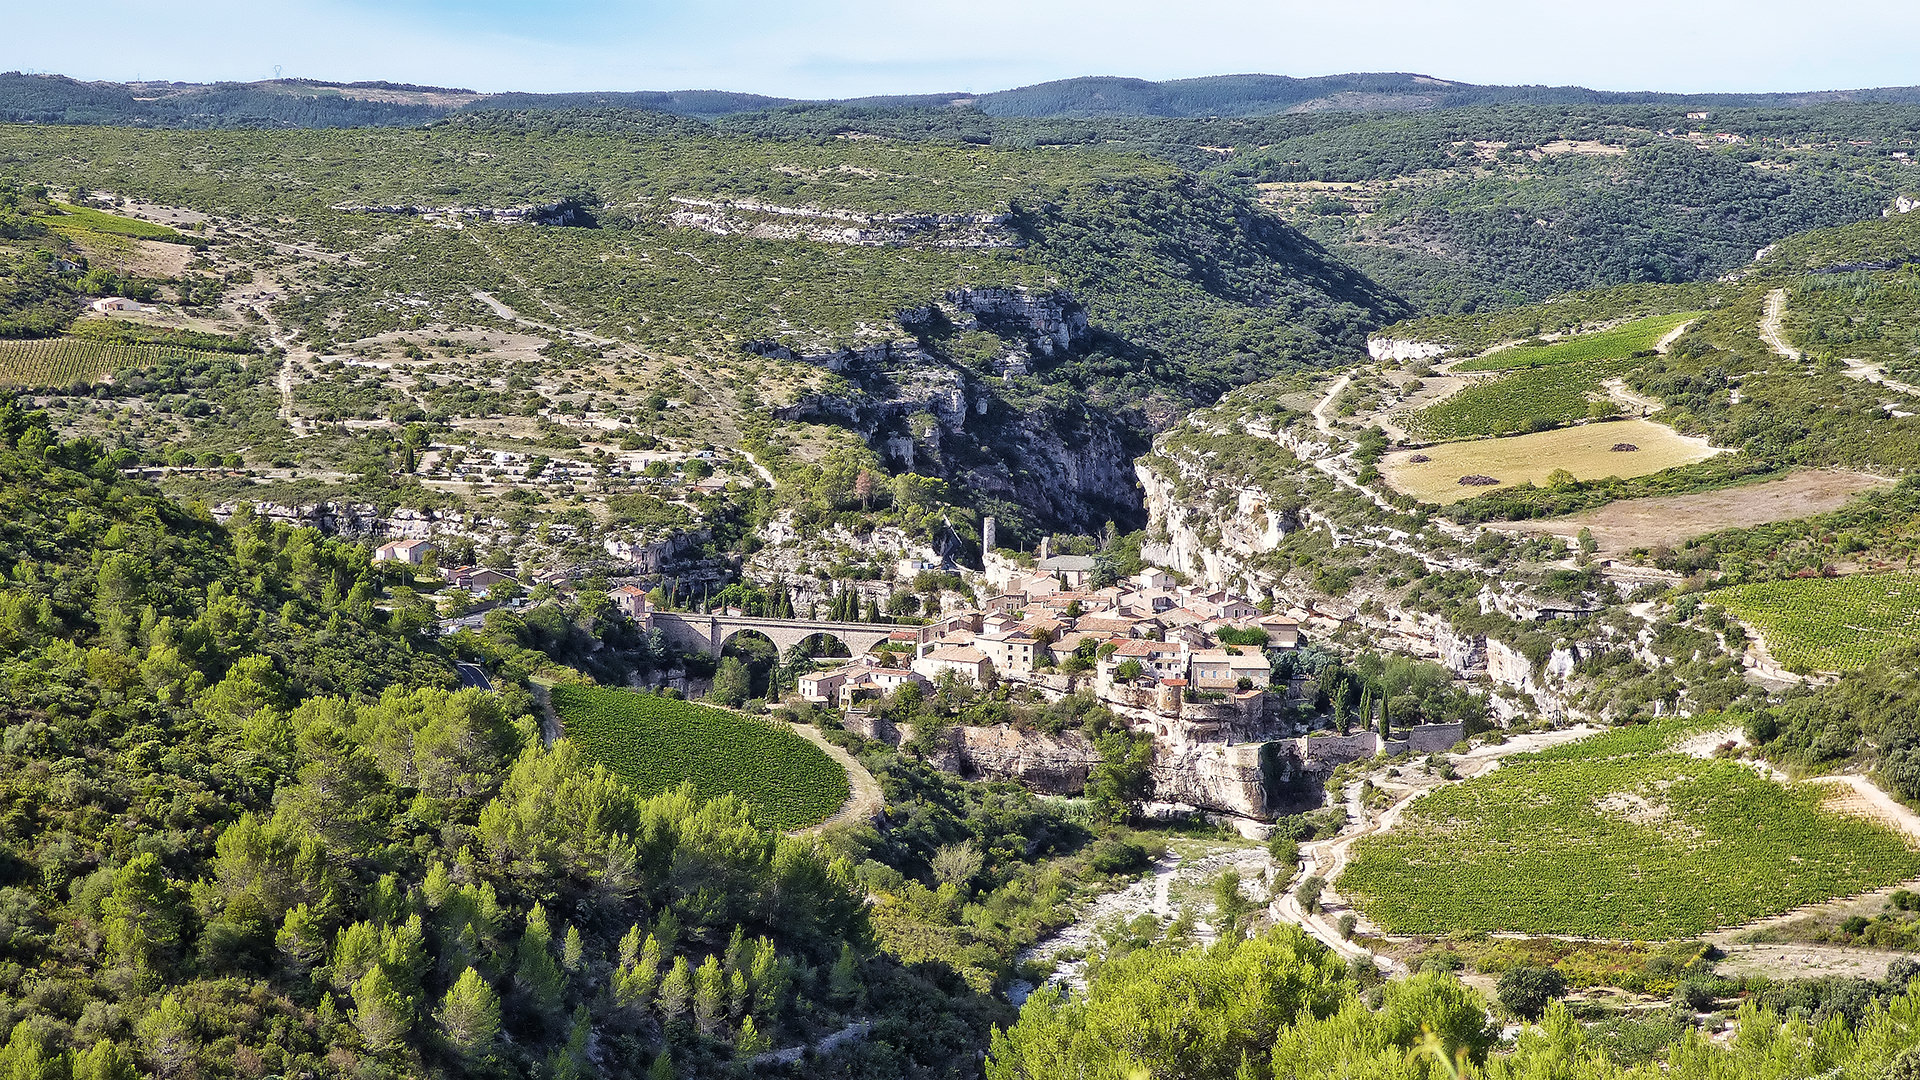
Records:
x=864, y=799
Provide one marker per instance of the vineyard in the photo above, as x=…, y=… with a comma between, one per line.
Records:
x=1531, y=400
x=1620, y=342
x=655, y=743
x=1828, y=624
x=57, y=363
x=1618, y=839
x=85, y=217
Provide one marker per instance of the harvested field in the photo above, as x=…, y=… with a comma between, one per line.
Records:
x=1585, y=451
x=1674, y=519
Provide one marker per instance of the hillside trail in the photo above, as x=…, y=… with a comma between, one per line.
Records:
x=1773, y=332
x=864, y=799
x=1330, y=464
x=1772, y=325
x=261, y=303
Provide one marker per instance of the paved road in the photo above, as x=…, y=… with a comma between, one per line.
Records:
x=472, y=675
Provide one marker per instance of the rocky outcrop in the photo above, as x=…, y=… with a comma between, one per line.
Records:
x=768, y=221
x=1211, y=548
x=1392, y=348
x=1217, y=777
x=1053, y=321
x=1055, y=764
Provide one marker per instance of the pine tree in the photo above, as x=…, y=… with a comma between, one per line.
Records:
x=573, y=951
x=106, y=1061
x=535, y=972
x=662, y=1067
x=469, y=1017
x=768, y=979
x=675, y=991
x=300, y=939
x=634, y=980
x=750, y=1043
x=709, y=997
x=843, y=983
x=380, y=1014
x=570, y=1061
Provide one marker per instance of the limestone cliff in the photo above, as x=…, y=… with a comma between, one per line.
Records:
x=934, y=404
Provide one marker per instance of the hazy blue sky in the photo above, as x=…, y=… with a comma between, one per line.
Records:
x=810, y=49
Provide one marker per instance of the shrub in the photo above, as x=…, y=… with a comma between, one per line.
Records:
x=1527, y=991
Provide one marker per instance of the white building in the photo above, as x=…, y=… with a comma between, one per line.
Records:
x=411, y=552
x=964, y=661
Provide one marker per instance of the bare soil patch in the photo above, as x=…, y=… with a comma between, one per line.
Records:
x=1673, y=519
x=147, y=258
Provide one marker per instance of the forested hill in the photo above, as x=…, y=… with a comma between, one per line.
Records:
x=248, y=827
x=58, y=99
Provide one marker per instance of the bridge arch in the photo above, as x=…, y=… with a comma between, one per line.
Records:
x=697, y=632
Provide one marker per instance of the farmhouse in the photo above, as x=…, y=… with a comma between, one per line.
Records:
x=411, y=552
x=108, y=304
x=475, y=579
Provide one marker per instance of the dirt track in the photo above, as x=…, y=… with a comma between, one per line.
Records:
x=864, y=800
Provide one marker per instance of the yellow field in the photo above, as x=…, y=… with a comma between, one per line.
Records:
x=1585, y=451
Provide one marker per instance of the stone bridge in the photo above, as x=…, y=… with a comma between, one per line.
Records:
x=694, y=632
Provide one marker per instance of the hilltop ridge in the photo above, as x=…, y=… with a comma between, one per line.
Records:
x=321, y=103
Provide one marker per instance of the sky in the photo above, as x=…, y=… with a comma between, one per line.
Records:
x=805, y=48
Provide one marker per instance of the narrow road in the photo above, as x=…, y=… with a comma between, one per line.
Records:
x=473, y=675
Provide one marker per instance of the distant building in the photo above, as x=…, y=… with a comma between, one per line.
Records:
x=1073, y=570
x=1282, y=632
x=964, y=661
x=108, y=304
x=631, y=600
x=1154, y=578
x=1010, y=651
x=411, y=552
x=846, y=684
x=475, y=579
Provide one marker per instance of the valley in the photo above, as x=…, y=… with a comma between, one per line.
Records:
x=793, y=588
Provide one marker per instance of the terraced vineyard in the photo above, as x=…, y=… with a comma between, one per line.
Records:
x=1619, y=342
x=1531, y=400
x=655, y=743
x=61, y=362
x=1828, y=624
x=1616, y=838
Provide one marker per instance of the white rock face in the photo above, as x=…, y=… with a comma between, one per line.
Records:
x=1386, y=348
